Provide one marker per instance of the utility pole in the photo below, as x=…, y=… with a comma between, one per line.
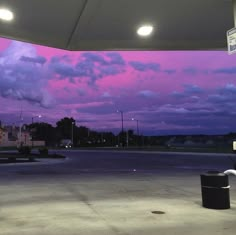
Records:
x=133, y=119
x=72, y=133
x=32, y=141
x=122, y=127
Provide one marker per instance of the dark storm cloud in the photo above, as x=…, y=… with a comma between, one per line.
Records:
x=178, y=95
x=192, y=89
x=142, y=67
x=38, y=59
x=106, y=108
x=90, y=65
x=228, y=70
x=188, y=119
x=62, y=68
x=21, y=82
x=220, y=99
x=147, y=94
x=223, y=96
x=189, y=91
x=23, y=95
x=229, y=88
x=81, y=92
x=202, y=123
x=110, y=70
x=169, y=71
x=207, y=114
x=86, y=68
x=115, y=58
x=190, y=70
x=106, y=95
x=94, y=58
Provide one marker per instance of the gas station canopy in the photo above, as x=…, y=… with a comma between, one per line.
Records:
x=113, y=24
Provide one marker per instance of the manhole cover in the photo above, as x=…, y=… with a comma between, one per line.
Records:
x=158, y=212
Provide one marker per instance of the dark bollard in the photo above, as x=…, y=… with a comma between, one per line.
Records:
x=215, y=190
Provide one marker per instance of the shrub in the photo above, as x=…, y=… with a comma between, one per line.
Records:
x=43, y=151
x=55, y=155
x=26, y=150
x=31, y=158
x=12, y=159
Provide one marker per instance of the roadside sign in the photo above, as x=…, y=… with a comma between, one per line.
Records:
x=231, y=40
x=234, y=145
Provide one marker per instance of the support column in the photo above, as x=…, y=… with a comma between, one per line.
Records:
x=234, y=9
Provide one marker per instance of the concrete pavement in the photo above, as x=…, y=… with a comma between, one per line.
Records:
x=83, y=197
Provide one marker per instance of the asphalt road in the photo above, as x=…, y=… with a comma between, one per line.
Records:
x=146, y=161
x=79, y=161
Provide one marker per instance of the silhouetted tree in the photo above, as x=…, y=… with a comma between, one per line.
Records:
x=64, y=127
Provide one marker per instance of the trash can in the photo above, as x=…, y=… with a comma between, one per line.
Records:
x=215, y=190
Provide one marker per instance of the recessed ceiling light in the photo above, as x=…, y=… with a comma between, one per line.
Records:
x=145, y=30
x=6, y=14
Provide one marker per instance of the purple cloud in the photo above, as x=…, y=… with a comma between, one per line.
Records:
x=90, y=65
x=192, y=89
x=38, y=59
x=178, y=95
x=103, y=108
x=227, y=70
x=142, y=67
x=190, y=71
x=170, y=71
x=22, y=82
x=115, y=58
x=147, y=94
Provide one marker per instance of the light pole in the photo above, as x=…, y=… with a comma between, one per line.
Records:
x=32, y=141
x=20, y=130
x=133, y=119
x=122, y=126
x=72, y=132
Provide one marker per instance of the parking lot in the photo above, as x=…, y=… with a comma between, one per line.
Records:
x=113, y=192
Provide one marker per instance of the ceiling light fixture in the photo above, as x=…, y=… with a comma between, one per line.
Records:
x=145, y=30
x=6, y=14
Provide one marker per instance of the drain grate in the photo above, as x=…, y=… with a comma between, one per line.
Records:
x=158, y=212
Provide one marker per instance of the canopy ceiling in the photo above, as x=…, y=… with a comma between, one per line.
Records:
x=112, y=24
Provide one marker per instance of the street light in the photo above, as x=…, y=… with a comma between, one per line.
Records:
x=122, y=125
x=133, y=119
x=20, y=132
x=38, y=116
x=72, y=134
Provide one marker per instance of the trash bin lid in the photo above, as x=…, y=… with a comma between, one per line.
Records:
x=211, y=179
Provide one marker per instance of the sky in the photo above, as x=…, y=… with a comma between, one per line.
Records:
x=168, y=92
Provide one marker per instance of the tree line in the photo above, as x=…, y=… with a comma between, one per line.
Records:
x=66, y=128
x=83, y=136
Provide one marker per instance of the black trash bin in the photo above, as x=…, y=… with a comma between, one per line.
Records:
x=215, y=190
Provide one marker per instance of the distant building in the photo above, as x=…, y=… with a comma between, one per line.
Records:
x=3, y=136
x=13, y=136
x=23, y=138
